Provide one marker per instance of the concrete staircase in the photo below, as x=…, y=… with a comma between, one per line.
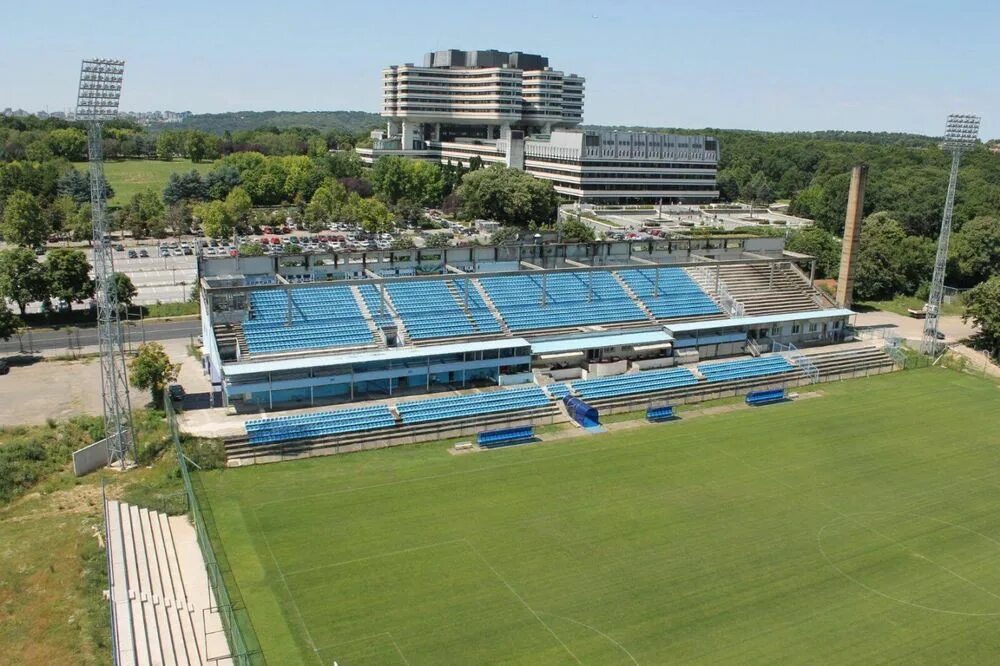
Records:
x=369, y=320
x=631, y=294
x=493, y=308
x=160, y=592
x=761, y=293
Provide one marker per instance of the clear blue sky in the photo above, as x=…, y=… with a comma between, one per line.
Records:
x=879, y=65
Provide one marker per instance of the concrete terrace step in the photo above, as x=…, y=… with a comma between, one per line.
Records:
x=159, y=618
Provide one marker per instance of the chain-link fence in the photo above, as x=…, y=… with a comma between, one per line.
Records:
x=243, y=644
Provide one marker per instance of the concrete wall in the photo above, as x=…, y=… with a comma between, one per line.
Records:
x=89, y=458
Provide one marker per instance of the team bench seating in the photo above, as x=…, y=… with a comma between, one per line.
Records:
x=765, y=397
x=494, y=438
x=657, y=414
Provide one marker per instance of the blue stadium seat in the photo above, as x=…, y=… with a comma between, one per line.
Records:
x=648, y=381
x=429, y=309
x=677, y=296
x=318, y=424
x=745, y=368
x=571, y=299
x=321, y=317
x=466, y=406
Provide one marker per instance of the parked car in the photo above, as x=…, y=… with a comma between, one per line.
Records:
x=4, y=367
x=143, y=254
x=187, y=250
x=132, y=254
x=176, y=392
x=119, y=247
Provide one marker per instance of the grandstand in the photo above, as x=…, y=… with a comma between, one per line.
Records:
x=506, y=332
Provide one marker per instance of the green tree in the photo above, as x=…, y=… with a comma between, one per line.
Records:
x=573, y=230
x=503, y=235
x=215, y=219
x=68, y=274
x=168, y=144
x=10, y=324
x=151, y=370
x=370, y=214
x=326, y=205
x=509, y=196
x=80, y=226
x=251, y=250
x=22, y=278
x=69, y=143
x=396, y=178
x=238, y=206
x=402, y=243
x=144, y=214
x=438, y=240
x=757, y=190
x=977, y=250
x=24, y=222
x=124, y=289
x=890, y=262
x=819, y=243
x=982, y=306
x=197, y=145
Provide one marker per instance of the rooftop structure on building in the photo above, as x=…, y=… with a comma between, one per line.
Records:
x=512, y=108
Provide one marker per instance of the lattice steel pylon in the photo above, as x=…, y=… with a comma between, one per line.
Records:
x=97, y=102
x=961, y=134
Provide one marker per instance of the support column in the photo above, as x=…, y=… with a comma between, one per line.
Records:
x=812, y=272
x=545, y=283
x=590, y=286
x=656, y=284
x=770, y=278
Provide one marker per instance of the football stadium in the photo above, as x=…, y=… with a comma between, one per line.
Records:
x=609, y=453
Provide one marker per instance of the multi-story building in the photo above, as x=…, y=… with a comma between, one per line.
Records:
x=512, y=108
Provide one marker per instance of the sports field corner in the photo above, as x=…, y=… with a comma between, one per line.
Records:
x=863, y=525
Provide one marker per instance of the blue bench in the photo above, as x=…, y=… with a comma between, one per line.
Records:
x=755, y=398
x=491, y=439
x=657, y=414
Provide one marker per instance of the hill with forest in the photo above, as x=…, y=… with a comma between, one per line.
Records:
x=352, y=122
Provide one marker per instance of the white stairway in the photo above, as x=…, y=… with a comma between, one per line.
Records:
x=160, y=592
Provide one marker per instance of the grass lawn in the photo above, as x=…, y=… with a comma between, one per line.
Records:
x=128, y=177
x=900, y=304
x=862, y=526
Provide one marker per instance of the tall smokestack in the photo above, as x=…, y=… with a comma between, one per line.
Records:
x=852, y=236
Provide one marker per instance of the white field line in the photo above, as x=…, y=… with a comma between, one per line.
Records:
x=376, y=556
x=521, y=599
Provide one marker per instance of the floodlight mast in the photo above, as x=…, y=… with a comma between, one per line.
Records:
x=97, y=102
x=961, y=135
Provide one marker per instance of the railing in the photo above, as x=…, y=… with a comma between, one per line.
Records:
x=244, y=648
x=797, y=357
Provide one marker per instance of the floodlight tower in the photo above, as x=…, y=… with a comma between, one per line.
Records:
x=99, y=94
x=961, y=134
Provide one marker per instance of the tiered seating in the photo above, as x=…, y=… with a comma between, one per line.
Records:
x=558, y=391
x=518, y=298
x=678, y=294
x=430, y=310
x=321, y=317
x=648, y=381
x=160, y=591
x=442, y=409
x=745, y=368
x=318, y=424
x=373, y=300
x=761, y=293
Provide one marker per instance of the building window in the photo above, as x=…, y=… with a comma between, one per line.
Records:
x=813, y=328
x=775, y=331
x=796, y=329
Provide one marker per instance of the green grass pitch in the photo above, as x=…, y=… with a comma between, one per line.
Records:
x=861, y=526
x=129, y=177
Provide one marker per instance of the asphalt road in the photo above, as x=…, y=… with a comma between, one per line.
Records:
x=51, y=340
